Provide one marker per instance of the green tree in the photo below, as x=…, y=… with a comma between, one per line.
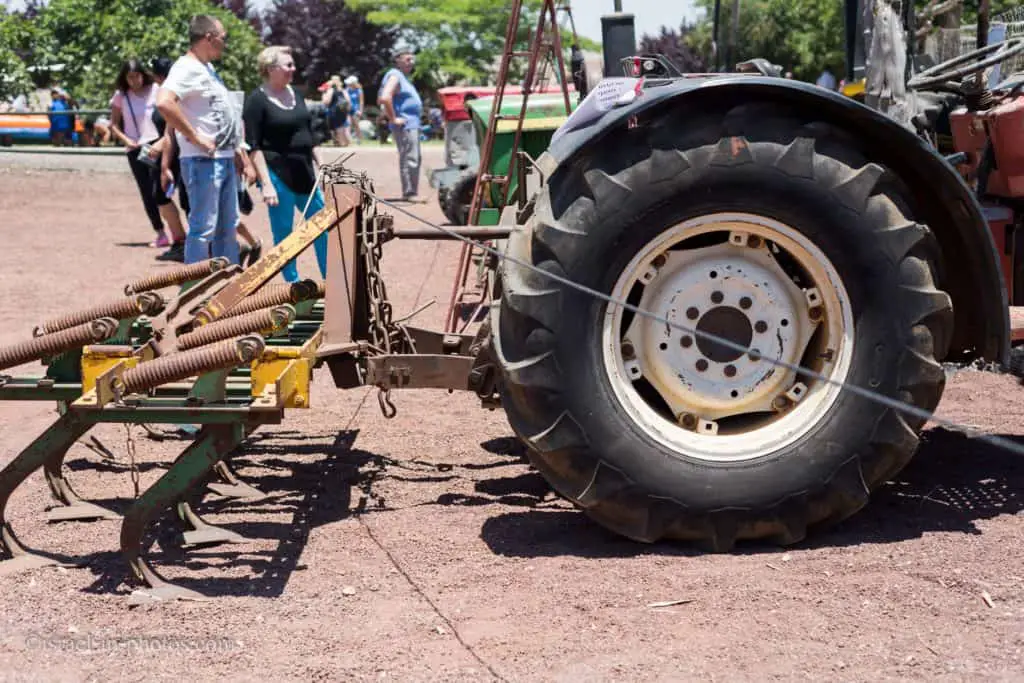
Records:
x=802, y=36
x=456, y=40
x=93, y=37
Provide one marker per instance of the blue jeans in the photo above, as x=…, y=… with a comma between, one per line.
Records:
x=212, y=186
x=281, y=222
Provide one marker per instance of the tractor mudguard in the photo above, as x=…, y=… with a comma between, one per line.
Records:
x=941, y=198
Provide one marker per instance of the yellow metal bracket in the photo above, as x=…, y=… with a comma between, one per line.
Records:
x=281, y=376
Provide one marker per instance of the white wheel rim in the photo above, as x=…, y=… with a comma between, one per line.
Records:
x=714, y=403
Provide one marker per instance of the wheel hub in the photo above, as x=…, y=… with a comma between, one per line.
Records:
x=727, y=323
x=759, y=294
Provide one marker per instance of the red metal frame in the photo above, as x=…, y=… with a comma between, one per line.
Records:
x=552, y=47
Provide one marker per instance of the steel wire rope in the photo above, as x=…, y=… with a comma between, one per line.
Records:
x=895, y=404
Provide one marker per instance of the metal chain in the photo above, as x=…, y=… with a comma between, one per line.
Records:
x=386, y=336
x=130, y=445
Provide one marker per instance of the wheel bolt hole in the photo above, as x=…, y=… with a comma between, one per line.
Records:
x=663, y=346
x=717, y=297
x=686, y=342
x=713, y=274
x=692, y=313
x=730, y=371
x=784, y=323
x=755, y=354
x=702, y=365
x=746, y=303
x=734, y=393
x=760, y=327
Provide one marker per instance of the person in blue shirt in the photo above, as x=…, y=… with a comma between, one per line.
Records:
x=62, y=125
x=404, y=110
x=355, y=97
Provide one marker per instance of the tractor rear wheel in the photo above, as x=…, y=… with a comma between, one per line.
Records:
x=761, y=227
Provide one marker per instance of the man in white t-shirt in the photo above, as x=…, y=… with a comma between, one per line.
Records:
x=207, y=123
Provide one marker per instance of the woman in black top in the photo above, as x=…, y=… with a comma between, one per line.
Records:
x=279, y=130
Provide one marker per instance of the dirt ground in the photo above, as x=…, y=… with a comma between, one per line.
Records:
x=461, y=566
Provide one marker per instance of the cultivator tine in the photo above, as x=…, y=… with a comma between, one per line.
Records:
x=213, y=443
x=231, y=486
x=147, y=303
x=50, y=446
x=177, y=276
x=91, y=332
x=202, y=532
x=72, y=506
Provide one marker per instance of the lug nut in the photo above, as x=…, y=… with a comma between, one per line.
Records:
x=780, y=402
x=815, y=313
x=702, y=365
x=628, y=351
x=688, y=420
x=686, y=341
x=760, y=327
x=754, y=354
x=746, y=303
x=658, y=261
x=753, y=241
x=730, y=371
x=692, y=312
x=717, y=297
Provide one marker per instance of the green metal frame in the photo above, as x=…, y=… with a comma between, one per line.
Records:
x=219, y=401
x=545, y=113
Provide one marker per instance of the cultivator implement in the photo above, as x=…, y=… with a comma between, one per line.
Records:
x=219, y=349
x=116, y=363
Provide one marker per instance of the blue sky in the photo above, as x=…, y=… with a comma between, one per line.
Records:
x=649, y=14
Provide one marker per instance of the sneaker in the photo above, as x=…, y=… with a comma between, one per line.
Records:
x=175, y=253
x=161, y=242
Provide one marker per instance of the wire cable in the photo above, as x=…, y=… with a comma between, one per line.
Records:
x=895, y=404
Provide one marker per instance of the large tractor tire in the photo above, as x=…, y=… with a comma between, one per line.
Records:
x=761, y=226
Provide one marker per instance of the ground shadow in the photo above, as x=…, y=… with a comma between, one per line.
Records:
x=316, y=493
x=953, y=482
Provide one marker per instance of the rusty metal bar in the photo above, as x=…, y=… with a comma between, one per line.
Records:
x=177, y=276
x=420, y=371
x=147, y=303
x=263, y=321
x=253, y=277
x=91, y=332
x=178, y=366
x=476, y=233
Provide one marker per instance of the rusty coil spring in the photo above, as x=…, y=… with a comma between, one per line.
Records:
x=91, y=332
x=147, y=303
x=177, y=276
x=263, y=321
x=178, y=366
x=274, y=295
